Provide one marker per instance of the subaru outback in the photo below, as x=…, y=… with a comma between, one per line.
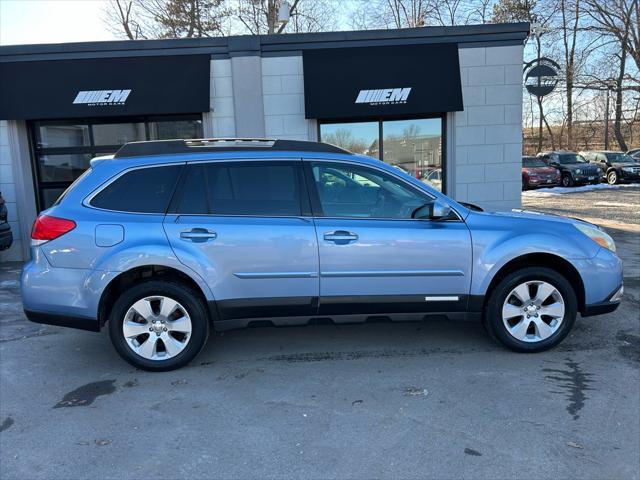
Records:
x=166, y=240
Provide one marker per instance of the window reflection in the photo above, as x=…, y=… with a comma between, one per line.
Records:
x=62, y=168
x=50, y=195
x=415, y=146
x=361, y=137
x=172, y=130
x=118, y=133
x=56, y=135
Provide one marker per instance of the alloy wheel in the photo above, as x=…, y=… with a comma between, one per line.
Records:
x=157, y=328
x=533, y=311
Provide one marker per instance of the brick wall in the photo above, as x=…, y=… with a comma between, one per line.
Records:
x=222, y=119
x=487, y=135
x=283, y=93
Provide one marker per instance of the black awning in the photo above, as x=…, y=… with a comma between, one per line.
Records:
x=104, y=87
x=382, y=81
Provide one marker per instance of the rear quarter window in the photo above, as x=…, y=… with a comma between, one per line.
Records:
x=144, y=190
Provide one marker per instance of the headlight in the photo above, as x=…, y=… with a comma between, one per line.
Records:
x=628, y=169
x=597, y=236
x=578, y=171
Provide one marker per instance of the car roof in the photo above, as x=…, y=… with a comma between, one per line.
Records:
x=206, y=145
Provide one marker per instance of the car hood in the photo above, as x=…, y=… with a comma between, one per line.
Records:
x=540, y=170
x=625, y=164
x=579, y=166
x=533, y=215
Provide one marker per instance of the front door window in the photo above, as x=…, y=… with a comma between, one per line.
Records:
x=359, y=192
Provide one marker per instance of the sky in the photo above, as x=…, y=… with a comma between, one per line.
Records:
x=52, y=21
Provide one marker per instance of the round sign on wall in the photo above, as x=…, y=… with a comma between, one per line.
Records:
x=541, y=76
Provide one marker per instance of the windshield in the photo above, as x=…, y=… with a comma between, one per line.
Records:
x=620, y=158
x=569, y=158
x=533, y=162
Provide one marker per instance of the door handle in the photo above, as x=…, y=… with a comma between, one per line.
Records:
x=341, y=237
x=198, y=235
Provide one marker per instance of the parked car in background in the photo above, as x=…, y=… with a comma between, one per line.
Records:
x=6, y=237
x=536, y=173
x=617, y=166
x=433, y=178
x=166, y=240
x=574, y=169
x=634, y=153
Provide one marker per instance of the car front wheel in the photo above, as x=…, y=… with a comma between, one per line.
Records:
x=531, y=310
x=612, y=177
x=567, y=180
x=158, y=325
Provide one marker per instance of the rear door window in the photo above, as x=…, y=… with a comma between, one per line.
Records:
x=263, y=188
x=144, y=190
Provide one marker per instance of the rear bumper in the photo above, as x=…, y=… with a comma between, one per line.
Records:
x=70, y=321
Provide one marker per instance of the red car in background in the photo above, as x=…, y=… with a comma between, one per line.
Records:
x=536, y=173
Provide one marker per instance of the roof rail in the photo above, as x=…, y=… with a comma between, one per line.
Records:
x=170, y=147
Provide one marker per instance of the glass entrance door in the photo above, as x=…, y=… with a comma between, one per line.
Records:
x=62, y=149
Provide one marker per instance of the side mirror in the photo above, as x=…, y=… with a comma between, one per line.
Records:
x=436, y=210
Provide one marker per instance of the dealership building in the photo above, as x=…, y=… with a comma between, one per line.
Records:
x=443, y=104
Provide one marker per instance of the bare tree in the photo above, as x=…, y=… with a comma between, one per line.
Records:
x=167, y=18
x=618, y=20
x=121, y=17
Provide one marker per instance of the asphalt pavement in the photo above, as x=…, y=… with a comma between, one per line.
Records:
x=423, y=400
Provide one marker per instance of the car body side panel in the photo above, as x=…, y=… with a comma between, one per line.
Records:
x=250, y=257
x=498, y=240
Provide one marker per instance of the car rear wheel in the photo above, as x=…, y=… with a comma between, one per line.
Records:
x=531, y=310
x=612, y=177
x=567, y=180
x=158, y=326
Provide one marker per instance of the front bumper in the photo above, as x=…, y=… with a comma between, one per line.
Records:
x=607, y=306
x=535, y=182
x=602, y=279
x=595, y=178
x=629, y=177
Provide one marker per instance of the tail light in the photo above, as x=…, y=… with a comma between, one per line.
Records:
x=47, y=228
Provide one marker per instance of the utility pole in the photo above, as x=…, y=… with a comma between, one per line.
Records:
x=609, y=85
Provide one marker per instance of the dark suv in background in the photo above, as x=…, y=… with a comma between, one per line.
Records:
x=617, y=166
x=6, y=237
x=575, y=170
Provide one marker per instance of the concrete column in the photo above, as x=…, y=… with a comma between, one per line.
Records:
x=247, y=94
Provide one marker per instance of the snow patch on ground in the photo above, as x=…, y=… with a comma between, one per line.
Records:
x=548, y=192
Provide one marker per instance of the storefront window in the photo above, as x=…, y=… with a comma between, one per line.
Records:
x=48, y=196
x=415, y=146
x=62, y=168
x=63, y=149
x=59, y=135
x=411, y=145
x=118, y=133
x=361, y=137
x=167, y=130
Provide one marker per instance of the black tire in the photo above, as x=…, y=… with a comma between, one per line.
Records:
x=493, y=309
x=612, y=177
x=567, y=180
x=184, y=295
